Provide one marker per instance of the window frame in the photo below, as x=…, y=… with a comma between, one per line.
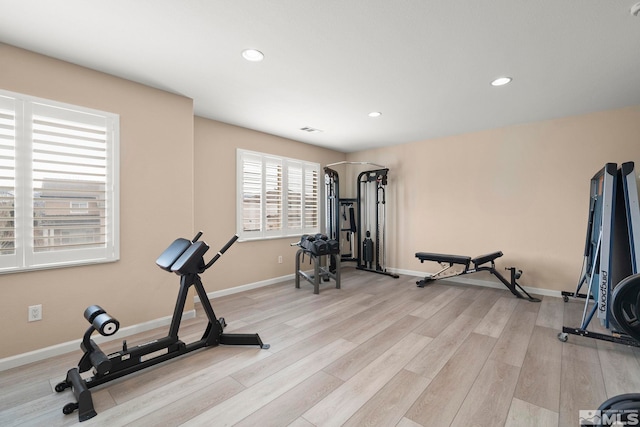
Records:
x=308, y=169
x=26, y=257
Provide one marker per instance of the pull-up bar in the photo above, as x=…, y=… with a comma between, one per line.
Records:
x=355, y=163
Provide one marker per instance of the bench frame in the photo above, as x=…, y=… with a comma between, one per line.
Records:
x=480, y=263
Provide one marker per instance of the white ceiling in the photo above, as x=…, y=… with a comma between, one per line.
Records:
x=425, y=64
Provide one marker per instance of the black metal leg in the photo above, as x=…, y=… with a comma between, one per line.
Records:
x=243, y=339
x=82, y=394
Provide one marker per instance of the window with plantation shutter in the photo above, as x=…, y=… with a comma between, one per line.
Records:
x=277, y=196
x=58, y=183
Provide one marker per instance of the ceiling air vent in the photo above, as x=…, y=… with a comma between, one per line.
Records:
x=310, y=129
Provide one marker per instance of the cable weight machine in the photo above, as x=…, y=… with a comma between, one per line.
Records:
x=359, y=223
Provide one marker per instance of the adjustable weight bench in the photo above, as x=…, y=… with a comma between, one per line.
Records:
x=479, y=264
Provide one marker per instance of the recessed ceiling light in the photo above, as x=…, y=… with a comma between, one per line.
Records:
x=375, y=114
x=501, y=81
x=252, y=55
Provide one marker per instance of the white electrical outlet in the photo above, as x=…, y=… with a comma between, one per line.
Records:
x=279, y=259
x=35, y=312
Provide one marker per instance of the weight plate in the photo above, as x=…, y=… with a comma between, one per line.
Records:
x=624, y=305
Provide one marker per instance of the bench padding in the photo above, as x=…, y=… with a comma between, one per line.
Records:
x=458, y=259
x=451, y=259
x=479, y=260
x=172, y=253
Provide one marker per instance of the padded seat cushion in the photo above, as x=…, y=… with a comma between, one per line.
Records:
x=452, y=259
x=479, y=260
x=191, y=261
x=172, y=253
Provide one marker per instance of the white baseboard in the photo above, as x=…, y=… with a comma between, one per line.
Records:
x=255, y=285
x=480, y=282
x=55, y=350
x=58, y=349
x=458, y=279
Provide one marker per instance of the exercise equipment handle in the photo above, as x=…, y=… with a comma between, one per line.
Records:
x=229, y=243
x=221, y=251
x=195, y=239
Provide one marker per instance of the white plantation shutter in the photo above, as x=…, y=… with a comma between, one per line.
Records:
x=69, y=172
x=66, y=187
x=294, y=197
x=311, y=199
x=273, y=195
x=277, y=196
x=8, y=254
x=251, y=194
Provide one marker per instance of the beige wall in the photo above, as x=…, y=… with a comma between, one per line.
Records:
x=215, y=202
x=523, y=190
x=156, y=206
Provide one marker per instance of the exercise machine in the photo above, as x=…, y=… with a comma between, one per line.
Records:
x=625, y=306
x=598, y=246
x=611, y=258
x=620, y=410
x=317, y=247
x=621, y=306
x=467, y=265
x=360, y=224
x=624, y=408
x=372, y=211
x=341, y=224
x=185, y=258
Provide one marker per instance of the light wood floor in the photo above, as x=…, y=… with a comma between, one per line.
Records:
x=378, y=352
